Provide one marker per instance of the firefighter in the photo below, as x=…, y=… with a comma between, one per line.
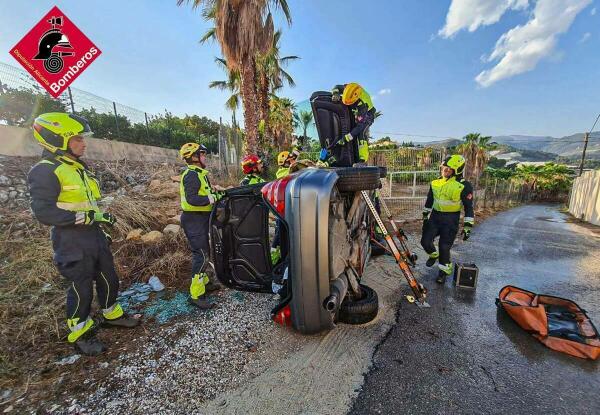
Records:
x=360, y=103
x=197, y=201
x=252, y=166
x=441, y=215
x=284, y=160
x=64, y=195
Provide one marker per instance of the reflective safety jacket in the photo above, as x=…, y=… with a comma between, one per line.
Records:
x=194, y=189
x=62, y=190
x=450, y=195
x=282, y=172
x=251, y=179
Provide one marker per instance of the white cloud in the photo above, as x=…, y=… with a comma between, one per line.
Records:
x=385, y=91
x=471, y=14
x=520, y=49
x=593, y=12
x=585, y=37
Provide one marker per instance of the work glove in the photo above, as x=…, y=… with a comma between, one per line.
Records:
x=212, y=199
x=345, y=139
x=322, y=164
x=466, y=232
x=99, y=217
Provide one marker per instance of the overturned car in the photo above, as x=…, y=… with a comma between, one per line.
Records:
x=325, y=235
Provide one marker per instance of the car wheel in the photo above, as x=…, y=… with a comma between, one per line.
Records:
x=352, y=179
x=360, y=311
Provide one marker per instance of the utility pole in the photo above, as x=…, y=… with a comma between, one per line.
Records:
x=585, y=143
x=587, y=138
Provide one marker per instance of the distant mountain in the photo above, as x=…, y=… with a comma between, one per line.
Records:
x=538, y=148
x=569, y=146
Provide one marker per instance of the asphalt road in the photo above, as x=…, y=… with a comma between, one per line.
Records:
x=463, y=355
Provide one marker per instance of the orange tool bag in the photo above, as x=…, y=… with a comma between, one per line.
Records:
x=558, y=323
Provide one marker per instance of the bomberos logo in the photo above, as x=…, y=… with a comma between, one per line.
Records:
x=55, y=52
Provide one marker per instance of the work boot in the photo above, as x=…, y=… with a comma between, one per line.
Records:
x=433, y=257
x=123, y=321
x=212, y=286
x=89, y=345
x=441, y=279
x=201, y=302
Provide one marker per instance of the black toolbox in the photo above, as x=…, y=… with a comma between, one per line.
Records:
x=465, y=276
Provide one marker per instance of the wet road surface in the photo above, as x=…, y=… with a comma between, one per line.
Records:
x=463, y=355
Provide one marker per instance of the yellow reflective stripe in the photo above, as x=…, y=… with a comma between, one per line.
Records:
x=113, y=313
x=75, y=206
x=197, y=288
x=77, y=330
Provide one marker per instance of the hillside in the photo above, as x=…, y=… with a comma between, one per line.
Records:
x=568, y=146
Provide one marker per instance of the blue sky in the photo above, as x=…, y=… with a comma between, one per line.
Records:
x=422, y=71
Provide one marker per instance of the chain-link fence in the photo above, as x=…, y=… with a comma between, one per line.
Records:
x=406, y=192
x=22, y=99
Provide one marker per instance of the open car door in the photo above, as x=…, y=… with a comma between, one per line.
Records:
x=239, y=240
x=333, y=121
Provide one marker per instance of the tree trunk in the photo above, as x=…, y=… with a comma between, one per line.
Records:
x=248, y=91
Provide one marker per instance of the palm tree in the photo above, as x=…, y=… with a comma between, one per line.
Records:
x=231, y=84
x=281, y=121
x=244, y=29
x=303, y=119
x=475, y=151
x=270, y=74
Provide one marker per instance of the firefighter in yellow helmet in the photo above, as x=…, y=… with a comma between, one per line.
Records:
x=447, y=195
x=360, y=103
x=283, y=161
x=64, y=195
x=197, y=200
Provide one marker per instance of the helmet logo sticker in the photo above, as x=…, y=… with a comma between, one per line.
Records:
x=55, y=52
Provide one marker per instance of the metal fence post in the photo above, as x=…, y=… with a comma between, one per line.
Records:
x=116, y=118
x=414, y=183
x=495, y=189
x=147, y=128
x=71, y=100
x=391, y=179
x=510, y=188
x=485, y=190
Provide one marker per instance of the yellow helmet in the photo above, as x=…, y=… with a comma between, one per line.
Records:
x=282, y=157
x=456, y=162
x=189, y=149
x=53, y=130
x=351, y=93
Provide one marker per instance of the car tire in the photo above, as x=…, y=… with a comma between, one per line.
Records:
x=352, y=179
x=360, y=311
x=382, y=172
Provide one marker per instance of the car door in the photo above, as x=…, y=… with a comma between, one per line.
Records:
x=239, y=240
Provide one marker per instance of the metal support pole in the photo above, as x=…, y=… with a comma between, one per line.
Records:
x=485, y=190
x=414, y=183
x=220, y=150
x=147, y=128
x=71, y=100
x=391, y=180
x=495, y=187
x=116, y=119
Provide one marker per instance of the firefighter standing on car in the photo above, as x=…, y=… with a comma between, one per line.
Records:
x=64, y=195
x=197, y=200
x=360, y=103
x=252, y=166
x=441, y=215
